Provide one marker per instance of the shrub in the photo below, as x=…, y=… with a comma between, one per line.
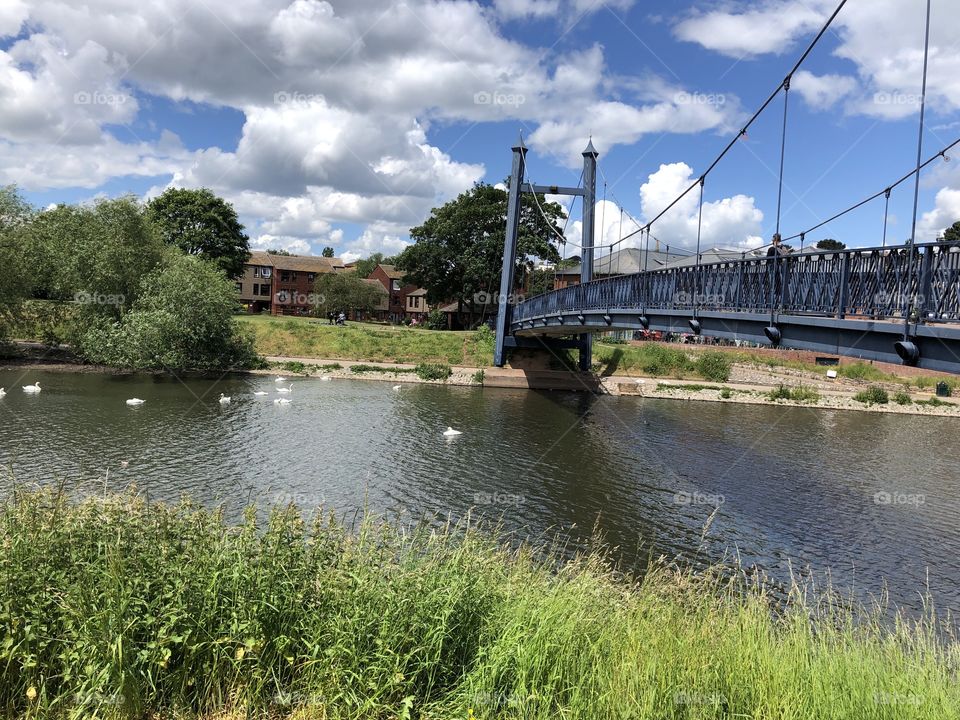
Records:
x=295, y=366
x=798, y=394
x=478, y=377
x=433, y=371
x=872, y=395
x=934, y=402
x=902, y=398
x=436, y=320
x=726, y=393
x=714, y=366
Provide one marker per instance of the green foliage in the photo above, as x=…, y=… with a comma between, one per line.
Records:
x=295, y=366
x=952, y=233
x=115, y=608
x=341, y=291
x=15, y=213
x=798, y=394
x=713, y=365
x=433, y=371
x=539, y=282
x=830, y=244
x=726, y=393
x=365, y=266
x=200, y=223
x=872, y=395
x=327, y=252
x=436, y=320
x=361, y=368
x=658, y=360
x=902, y=398
x=478, y=377
x=458, y=252
x=182, y=319
x=689, y=387
x=934, y=402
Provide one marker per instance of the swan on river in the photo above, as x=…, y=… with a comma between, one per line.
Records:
x=284, y=390
x=135, y=401
x=450, y=432
x=260, y=393
x=224, y=400
x=35, y=388
x=2, y=392
x=281, y=401
x=279, y=379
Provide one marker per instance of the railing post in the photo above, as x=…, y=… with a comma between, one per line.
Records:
x=844, y=285
x=925, y=301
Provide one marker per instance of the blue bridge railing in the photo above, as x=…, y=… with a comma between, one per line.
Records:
x=920, y=281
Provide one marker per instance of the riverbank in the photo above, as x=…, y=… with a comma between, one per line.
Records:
x=119, y=608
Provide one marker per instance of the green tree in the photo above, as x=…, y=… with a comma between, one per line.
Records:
x=327, y=252
x=200, y=223
x=830, y=244
x=540, y=281
x=278, y=251
x=952, y=233
x=182, y=319
x=15, y=214
x=365, y=266
x=458, y=251
x=346, y=291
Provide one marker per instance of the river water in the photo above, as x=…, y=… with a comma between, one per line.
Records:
x=869, y=501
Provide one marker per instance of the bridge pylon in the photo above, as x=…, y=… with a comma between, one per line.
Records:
x=518, y=186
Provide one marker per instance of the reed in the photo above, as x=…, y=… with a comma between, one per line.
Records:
x=116, y=607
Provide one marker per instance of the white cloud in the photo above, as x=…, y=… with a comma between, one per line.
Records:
x=513, y=9
x=822, y=92
x=946, y=212
x=732, y=222
x=13, y=13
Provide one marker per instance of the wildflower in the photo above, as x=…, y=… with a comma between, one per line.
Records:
x=31, y=693
x=238, y=655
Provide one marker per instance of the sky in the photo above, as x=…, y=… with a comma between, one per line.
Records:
x=343, y=122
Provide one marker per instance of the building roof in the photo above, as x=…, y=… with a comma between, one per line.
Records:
x=374, y=283
x=302, y=263
x=626, y=262
x=419, y=292
x=392, y=272
x=711, y=255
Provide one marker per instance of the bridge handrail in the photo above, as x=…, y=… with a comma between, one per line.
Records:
x=871, y=280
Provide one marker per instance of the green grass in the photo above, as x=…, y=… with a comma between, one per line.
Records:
x=902, y=398
x=798, y=394
x=934, y=402
x=361, y=368
x=118, y=608
x=873, y=396
x=308, y=337
x=691, y=387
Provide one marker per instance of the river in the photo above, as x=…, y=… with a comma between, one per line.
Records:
x=867, y=500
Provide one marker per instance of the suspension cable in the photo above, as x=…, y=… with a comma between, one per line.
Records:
x=783, y=147
x=886, y=213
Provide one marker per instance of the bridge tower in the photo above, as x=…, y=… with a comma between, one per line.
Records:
x=518, y=186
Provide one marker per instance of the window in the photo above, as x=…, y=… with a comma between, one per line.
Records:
x=310, y=277
x=265, y=289
x=285, y=275
x=240, y=288
x=256, y=271
x=396, y=284
x=265, y=272
x=416, y=301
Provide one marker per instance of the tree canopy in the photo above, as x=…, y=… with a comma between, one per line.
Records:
x=952, y=233
x=346, y=291
x=200, y=223
x=365, y=266
x=458, y=251
x=327, y=252
x=830, y=244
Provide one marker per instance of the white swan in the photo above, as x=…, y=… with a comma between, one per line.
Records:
x=285, y=390
x=135, y=401
x=279, y=378
x=397, y=387
x=281, y=401
x=260, y=393
x=224, y=400
x=450, y=432
x=2, y=392
x=35, y=388
x=324, y=377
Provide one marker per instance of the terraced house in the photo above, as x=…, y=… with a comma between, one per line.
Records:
x=282, y=284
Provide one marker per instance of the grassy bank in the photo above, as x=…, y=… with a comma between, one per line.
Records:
x=117, y=608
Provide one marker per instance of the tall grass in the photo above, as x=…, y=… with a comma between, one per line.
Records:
x=120, y=608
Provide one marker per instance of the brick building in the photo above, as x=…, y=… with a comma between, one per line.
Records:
x=282, y=284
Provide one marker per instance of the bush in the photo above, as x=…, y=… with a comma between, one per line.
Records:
x=726, y=393
x=295, y=366
x=872, y=396
x=478, y=377
x=798, y=394
x=714, y=366
x=934, y=402
x=433, y=371
x=902, y=398
x=660, y=360
x=436, y=320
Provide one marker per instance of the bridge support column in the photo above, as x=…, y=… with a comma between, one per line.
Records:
x=586, y=257
x=509, y=253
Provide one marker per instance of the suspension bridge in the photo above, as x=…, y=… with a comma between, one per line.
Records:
x=890, y=303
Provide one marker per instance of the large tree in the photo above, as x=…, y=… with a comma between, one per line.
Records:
x=365, y=266
x=15, y=214
x=200, y=223
x=327, y=252
x=952, y=233
x=458, y=251
x=830, y=244
x=340, y=291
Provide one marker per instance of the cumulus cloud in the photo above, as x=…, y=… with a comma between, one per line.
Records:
x=822, y=92
x=732, y=222
x=945, y=212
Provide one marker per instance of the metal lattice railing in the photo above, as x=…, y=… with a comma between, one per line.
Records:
x=920, y=281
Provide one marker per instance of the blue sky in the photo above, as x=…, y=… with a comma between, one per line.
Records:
x=343, y=123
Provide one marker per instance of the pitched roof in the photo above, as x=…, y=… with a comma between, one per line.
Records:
x=302, y=263
x=626, y=262
x=392, y=272
x=419, y=291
